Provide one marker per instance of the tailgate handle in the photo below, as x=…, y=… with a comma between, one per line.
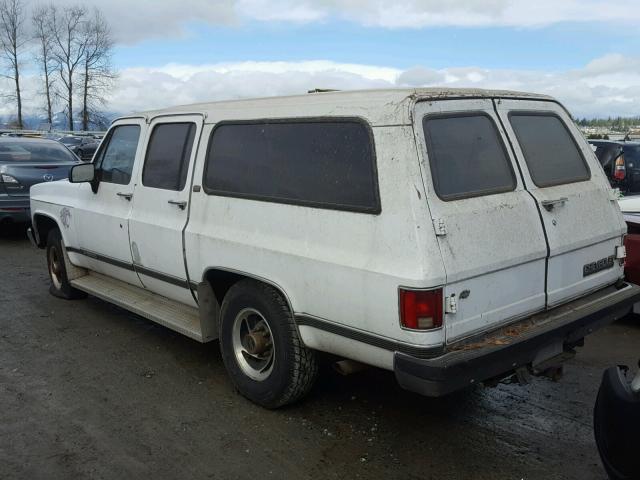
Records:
x=550, y=204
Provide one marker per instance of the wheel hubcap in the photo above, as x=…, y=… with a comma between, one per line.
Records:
x=253, y=344
x=55, y=267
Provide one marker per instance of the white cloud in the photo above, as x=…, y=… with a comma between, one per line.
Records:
x=608, y=85
x=133, y=21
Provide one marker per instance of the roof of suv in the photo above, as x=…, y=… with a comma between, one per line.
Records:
x=372, y=104
x=621, y=143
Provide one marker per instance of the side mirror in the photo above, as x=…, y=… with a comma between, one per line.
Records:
x=82, y=173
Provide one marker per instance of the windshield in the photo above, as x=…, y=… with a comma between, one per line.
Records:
x=35, y=152
x=71, y=140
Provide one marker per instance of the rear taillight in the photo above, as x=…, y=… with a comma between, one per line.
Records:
x=619, y=171
x=421, y=309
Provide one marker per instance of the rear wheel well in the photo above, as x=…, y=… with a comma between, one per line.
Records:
x=43, y=226
x=222, y=280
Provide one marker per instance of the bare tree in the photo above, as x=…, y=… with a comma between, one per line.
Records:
x=70, y=45
x=97, y=72
x=44, y=40
x=12, y=39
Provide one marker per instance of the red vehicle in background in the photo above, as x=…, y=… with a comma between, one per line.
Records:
x=630, y=207
x=616, y=417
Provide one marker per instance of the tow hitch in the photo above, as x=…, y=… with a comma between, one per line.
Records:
x=617, y=423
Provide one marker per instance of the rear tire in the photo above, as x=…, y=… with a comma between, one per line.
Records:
x=60, y=286
x=261, y=349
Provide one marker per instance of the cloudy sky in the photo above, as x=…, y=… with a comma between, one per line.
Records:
x=584, y=52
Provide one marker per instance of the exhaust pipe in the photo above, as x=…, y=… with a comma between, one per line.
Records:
x=347, y=367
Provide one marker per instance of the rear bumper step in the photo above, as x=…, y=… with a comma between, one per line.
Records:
x=500, y=353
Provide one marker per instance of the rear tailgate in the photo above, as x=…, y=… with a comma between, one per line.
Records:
x=487, y=225
x=582, y=222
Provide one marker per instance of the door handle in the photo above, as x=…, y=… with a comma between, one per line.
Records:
x=181, y=205
x=126, y=196
x=550, y=204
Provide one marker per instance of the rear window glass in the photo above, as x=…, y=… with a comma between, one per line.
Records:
x=71, y=140
x=315, y=163
x=35, y=151
x=607, y=154
x=632, y=154
x=550, y=151
x=466, y=156
x=168, y=156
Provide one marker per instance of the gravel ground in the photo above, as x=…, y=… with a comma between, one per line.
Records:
x=88, y=390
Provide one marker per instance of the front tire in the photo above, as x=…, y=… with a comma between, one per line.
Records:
x=60, y=286
x=261, y=349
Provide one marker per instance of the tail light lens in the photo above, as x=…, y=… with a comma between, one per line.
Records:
x=619, y=171
x=421, y=309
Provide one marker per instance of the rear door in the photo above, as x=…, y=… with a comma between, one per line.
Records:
x=581, y=219
x=488, y=226
x=161, y=206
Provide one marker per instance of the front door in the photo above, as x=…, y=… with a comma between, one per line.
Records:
x=488, y=227
x=161, y=206
x=102, y=216
x=579, y=211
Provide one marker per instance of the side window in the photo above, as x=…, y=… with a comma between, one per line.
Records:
x=325, y=164
x=115, y=161
x=551, y=153
x=466, y=156
x=168, y=154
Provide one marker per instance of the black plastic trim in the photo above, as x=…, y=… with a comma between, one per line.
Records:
x=178, y=282
x=102, y=258
x=360, y=336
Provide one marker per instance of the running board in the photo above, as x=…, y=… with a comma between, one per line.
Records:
x=174, y=315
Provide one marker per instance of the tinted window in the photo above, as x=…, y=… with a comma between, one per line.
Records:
x=116, y=160
x=607, y=154
x=632, y=154
x=467, y=157
x=324, y=164
x=550, y=151
x=168, y=156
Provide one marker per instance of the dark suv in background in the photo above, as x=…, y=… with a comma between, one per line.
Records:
x=621, y=163
x=83, y=147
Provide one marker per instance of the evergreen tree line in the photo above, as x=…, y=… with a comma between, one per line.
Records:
x=621, y=124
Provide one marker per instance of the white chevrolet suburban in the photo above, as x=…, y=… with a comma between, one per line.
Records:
x=455, y=237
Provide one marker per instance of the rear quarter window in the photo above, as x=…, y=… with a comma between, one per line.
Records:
x=326, y=164
x=550, y=151
x=466, y=156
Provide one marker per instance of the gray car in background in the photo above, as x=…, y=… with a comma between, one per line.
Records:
x=23, y=163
